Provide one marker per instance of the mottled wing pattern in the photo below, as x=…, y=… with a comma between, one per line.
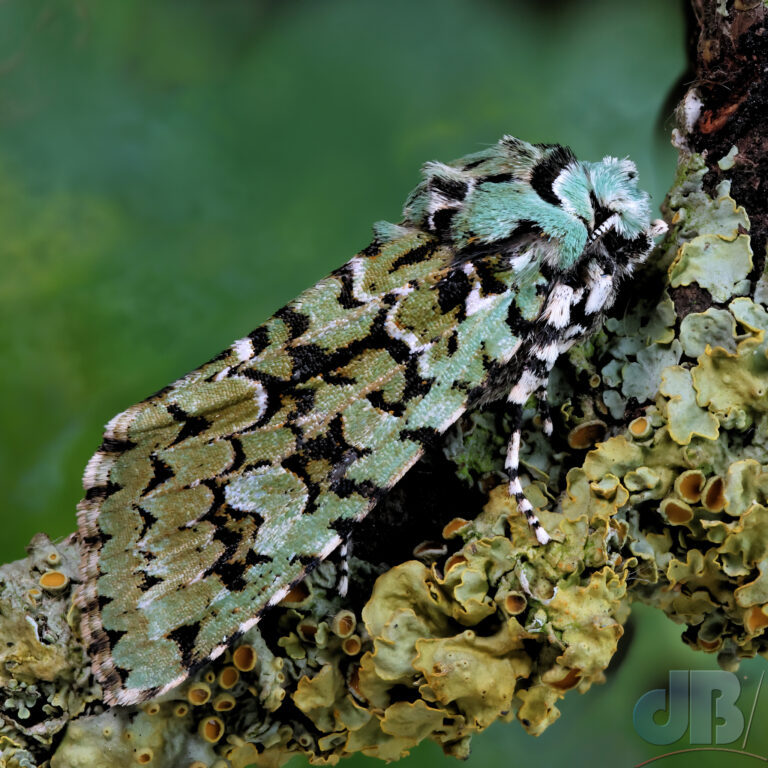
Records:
x=207, y=501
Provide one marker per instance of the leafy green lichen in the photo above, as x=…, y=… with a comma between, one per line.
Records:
x=719, y=265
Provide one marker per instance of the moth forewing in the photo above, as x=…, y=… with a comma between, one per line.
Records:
x=209, y=500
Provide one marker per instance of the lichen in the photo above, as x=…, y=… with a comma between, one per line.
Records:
x=43, y=675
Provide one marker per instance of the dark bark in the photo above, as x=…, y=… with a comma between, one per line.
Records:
x=732, y=82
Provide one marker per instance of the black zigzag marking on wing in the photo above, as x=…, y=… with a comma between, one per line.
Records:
x=415, y=255
x=376, y=399
x=308, y=361
x=415, y=385
x=452, y=292
x=148, y=581
x=112, y=445
x=102, y=492
x=489, y=283
x=185, y=638
x=297, y=322
x=347, y=298
x=238, y=455
x=162, y=472
x=274, y=389
x=453, y=343
x=192, y=426
x=425, y=436
x=260, y=340
x=147, y=520
x=331, y=445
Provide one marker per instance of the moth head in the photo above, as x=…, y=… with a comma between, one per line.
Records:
x=607, y=200
x=515, y=188
x=618, y=203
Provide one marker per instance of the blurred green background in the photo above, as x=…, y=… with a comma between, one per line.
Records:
x=173, y=172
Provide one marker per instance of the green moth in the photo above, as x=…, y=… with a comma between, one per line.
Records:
x=206, y=502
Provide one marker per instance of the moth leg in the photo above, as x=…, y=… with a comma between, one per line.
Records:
x=545, y=413
x=512, y=465
x=345, y=550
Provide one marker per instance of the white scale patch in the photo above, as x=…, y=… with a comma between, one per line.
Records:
x=437, y=201
x=548, y=353
x=574, y=173
x=558, y=310
x=518, y=263
x=510, y=351
x=261, y=399
x=474, y=302
x=524, y=388
x=243, y=349
x=357, y=268
x=513, y=451
x=598, y=295
x=574, y=330
x=477, y=303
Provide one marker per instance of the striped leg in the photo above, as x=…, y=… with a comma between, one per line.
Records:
x=542, y=400
x=345, y=550
x=512, y=466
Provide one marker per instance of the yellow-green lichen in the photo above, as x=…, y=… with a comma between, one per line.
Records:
x=717, y=574
x=685, y=418
x=714, y=328
x=696, y=213
x=726, y=162
x=715, y=262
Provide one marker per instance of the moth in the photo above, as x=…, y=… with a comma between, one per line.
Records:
x=207, y=501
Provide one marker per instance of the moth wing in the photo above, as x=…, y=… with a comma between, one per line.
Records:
x=209, y=500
